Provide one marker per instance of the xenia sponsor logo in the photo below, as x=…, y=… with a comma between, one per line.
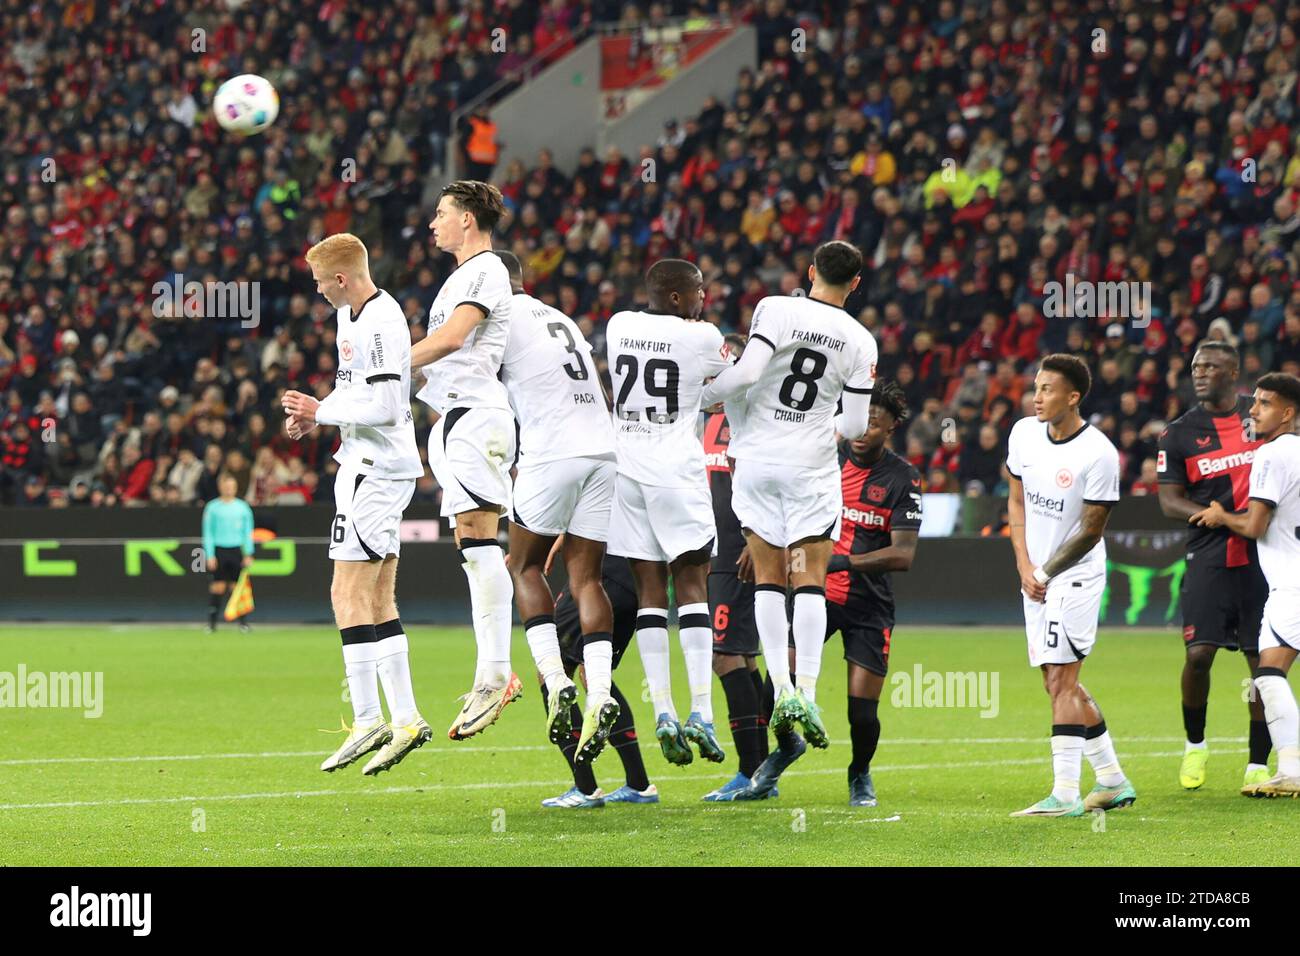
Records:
x=1212, y=466
x=1044, y=502
x=103, y=909
x=82, y=690
x=946, y=689
x=869, y=518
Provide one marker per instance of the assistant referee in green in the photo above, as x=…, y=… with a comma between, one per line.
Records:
x=227, y=543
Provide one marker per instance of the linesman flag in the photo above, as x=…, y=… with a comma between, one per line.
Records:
x=241, y=598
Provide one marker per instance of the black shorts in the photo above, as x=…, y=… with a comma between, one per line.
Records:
x=1223, y=606
x=230, y=561
x=569, y=629
x=731, y=603
x=866, y=643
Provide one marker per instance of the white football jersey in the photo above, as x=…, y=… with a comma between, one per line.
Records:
x=1059, y=478
x=658, y=364
x=467, y=378
x=818, y=351
x=1275, y=479
x=374, y=344
x=551, y=379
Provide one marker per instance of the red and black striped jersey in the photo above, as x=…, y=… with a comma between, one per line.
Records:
x=878, y=500
x=1210, y=456
x=731, y=541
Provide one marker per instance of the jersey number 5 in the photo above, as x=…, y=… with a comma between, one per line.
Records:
x=558, y=330
x=806, y=369
x=625, y=369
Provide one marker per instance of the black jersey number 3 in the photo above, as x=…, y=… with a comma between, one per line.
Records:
x=558, y=330
x=626, y=369
x=806, y=369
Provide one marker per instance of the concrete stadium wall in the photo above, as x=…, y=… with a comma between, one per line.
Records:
x=684, y=95
x=558, y=109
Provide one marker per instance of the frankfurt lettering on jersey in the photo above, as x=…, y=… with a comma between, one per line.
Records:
x=645, y=345
x=817, y=338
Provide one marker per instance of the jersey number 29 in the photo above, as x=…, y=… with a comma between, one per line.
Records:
x=626, y=369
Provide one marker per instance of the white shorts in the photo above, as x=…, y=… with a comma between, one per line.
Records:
x=783, y=505
x=471, y=452
x=650, y=523
x=367, y=515
x=1281, y=627
x=565, y=496
x=1063, y=629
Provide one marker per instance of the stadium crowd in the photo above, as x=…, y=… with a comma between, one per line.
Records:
x=976, y=152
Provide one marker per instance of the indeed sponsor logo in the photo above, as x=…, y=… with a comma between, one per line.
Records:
x=869, y=518
x=1212, y=466
x=1044, y=502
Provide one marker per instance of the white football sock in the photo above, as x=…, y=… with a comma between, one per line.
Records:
x=1067, y=765
x=652, y=643
x=545, y=645
x=773, y=634
x=696, y=636
x=491, y=594
x=598, y=662
x=1100, y=751
x=359, y=663
x=1283, y=721
x=395, y=672
x=1189, y=747
x=809, y=637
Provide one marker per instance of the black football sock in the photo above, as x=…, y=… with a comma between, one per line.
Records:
x=583, y=778
x=214, y=605
x=1261, y=744
x=764, y=712
x=742, y=712
x=864, y=731
x=1194, y=723
x=623, y=737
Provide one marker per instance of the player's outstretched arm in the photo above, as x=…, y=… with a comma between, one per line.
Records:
x=449, y=337
x=1016, y=520
x=1251, y=523
x=1092, y=527
x=736, y=380
x=377, y=404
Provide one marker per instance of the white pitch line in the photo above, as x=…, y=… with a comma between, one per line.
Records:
x=495, y=784
x=538, y=748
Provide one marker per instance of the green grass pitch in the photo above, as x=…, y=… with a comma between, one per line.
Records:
x=207, y=751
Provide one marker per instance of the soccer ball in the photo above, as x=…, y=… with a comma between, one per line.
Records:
x=246, y=104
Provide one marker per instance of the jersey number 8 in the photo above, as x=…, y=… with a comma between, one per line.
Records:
x=807, y=377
